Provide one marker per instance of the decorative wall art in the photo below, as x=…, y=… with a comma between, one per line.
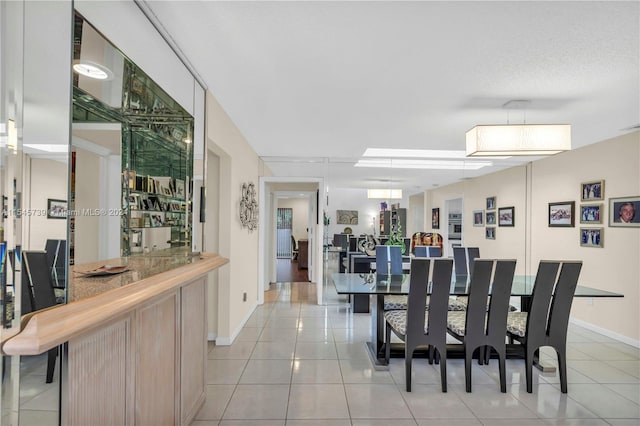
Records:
x=435, y=218
x=249, y=207
x=591, y=213
x=592, y=237
x=592, y=191
x=56, y=209
x=562, y=213
x=506, y=216
x=491, y=218
x=478, y=218
x=491, y=203
x=347, y=217
x=624, y=211
x=490, y=233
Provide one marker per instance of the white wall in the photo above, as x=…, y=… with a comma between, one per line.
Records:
x=300, y=215
x=48, y=179
x=238, y=164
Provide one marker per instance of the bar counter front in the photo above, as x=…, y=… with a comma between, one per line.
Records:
x=134, y=342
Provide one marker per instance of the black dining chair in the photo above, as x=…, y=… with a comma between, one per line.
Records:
x=389, y=261
x=36, y=275
x=418, y=326
x=427, y=251
x=479, y=327
x=546, y=323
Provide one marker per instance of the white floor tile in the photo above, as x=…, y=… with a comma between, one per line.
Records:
x=317, y=401
x=374, y=401
x=258, y=402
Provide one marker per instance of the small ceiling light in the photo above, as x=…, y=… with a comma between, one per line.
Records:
x=93, y=70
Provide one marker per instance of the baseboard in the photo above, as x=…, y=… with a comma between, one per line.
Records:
x=608, y=333
x=226, y=341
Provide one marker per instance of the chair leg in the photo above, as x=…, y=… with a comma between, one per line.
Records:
x=503, y=370
x=481, y=351
x=468, y=358
x=408, y=357
x=387, y=342
x=443, y=367
x=51, y=364
x=562, y=368
x=528, y=366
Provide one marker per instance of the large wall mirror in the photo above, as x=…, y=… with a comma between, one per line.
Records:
x=132, y=157
x=91, y=169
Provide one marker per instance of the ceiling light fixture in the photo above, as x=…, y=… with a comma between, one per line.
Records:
x=93, y=70
x=518, y=139
x=523, y=139
x=386, y=194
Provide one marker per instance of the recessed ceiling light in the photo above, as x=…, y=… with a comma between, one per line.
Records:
x=93, y=70
x=413, y=153
x=424, y=164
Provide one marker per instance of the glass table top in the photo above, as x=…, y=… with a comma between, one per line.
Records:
x=346, y=283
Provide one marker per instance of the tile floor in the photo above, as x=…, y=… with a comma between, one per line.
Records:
x=296, y=363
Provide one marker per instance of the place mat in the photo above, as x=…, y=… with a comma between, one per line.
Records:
x=104, y=270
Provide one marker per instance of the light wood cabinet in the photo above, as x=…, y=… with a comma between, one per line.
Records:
x=303, y=254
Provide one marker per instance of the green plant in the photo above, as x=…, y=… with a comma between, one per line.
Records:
x=395, y=238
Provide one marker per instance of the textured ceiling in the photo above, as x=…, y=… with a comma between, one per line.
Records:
x=311, y=85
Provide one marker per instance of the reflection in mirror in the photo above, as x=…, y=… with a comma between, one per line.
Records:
x=132, y=157
x=33, y=177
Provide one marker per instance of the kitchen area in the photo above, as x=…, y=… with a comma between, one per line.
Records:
x=454, y=225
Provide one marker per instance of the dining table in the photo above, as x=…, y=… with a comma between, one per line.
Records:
x=378, y=286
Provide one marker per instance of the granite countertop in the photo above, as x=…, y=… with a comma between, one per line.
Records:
x=138, y=267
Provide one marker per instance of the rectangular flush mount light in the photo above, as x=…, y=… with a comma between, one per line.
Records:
x=386, y=194
x=523, y=139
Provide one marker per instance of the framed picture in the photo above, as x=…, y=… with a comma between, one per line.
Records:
x=591, y=213
x=624, y=211
x=435, y=218
x=491, y=218
x=491, y=203
x=347, y=217
x=592, y=191
x=56, y=209
x=592, y=237
x=478, y=218
x=156, y=220
x=505, y=216
x=490, y=232
x=561, y=214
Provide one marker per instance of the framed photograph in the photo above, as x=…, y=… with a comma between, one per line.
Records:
x=592, y=191
x=156, y=220
x=561, y=214
x=435, y=218
x=56, y=209
x=592, y=237
x=478, y=218
x=591, y=213
x=491, y=218
x=624, y=211
x=491, y=203
x=490, y=232
x=505, y=216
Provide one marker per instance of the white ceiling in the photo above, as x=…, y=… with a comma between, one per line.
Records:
x=319, y=82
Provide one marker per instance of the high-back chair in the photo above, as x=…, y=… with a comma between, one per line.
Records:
x=36, y=275
x=389, y=260
x=480, y=326
x=427, y=251
x=418, y=326
x=547, y=321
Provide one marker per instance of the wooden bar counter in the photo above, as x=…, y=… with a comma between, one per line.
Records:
x=136, y=341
